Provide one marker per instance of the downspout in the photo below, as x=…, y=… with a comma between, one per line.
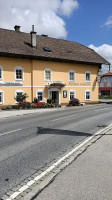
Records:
x=31, y=80
x=109, y=67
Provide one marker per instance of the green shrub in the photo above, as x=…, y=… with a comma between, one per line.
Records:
x=21, y=97
x=49, y=101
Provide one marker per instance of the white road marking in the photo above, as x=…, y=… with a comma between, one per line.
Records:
x=10, y=132
x=15, y=194
x=101, y=109
x=63, y=117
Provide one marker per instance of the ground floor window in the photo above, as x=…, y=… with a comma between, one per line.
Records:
x=1, y=97
x=88, y=95
x=40, y=95
x=18, y=92
x=71, y=95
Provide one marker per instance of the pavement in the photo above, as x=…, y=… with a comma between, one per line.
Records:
x=13, y=113
x=89, y=177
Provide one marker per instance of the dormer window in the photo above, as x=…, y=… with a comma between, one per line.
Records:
x=19, y=73
x=47, y=49
x=70, y=52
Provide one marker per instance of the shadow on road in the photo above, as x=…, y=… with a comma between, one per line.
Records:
x=41, y=130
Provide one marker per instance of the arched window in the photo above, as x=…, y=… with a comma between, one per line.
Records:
x=1, y=97
x=48, y=74
x=88, y=76
x=72, y=76
x=1, y=73
x=19, y=73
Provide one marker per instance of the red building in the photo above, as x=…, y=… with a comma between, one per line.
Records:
x=105, y=88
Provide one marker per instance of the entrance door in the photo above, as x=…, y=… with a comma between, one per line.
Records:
x=55, y=96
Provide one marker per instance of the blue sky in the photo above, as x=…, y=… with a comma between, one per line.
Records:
x=86, y=25
x=88, y=22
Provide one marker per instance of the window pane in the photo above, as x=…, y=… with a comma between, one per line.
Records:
x=39, y=96
x=0, y=73
x=88, y=95
x=71, y=76
x=87, y=76
x=71, y=95
x=0, y=97
x=47, y=75
x=18, y=74
x=19, y=93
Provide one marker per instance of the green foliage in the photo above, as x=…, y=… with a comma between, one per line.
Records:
x=105, y=97
x=49, y=101
x=21, y=97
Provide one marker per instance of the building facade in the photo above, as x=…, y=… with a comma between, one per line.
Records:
x=105, y=88
x=45, y=67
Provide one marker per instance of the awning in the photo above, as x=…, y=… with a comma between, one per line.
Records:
x=56, y=83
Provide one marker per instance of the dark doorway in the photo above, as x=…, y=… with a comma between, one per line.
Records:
x=55, y=96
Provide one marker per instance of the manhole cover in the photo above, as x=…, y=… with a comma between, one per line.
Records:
x=102, y=125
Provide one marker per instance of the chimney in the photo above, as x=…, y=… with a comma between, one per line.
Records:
x=17, y=28
x=33, y=37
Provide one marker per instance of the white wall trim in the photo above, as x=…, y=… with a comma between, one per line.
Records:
x=39, y=86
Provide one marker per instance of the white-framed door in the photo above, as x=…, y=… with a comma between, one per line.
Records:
x=54, y=94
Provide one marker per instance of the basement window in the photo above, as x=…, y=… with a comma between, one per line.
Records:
x=47, y=49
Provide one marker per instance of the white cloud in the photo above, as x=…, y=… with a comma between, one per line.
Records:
x=67, y=6
x=46, y=15
x=108, y=22
x=105, y=51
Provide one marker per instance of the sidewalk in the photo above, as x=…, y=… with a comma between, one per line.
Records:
x=13, y=113
x=89, y=177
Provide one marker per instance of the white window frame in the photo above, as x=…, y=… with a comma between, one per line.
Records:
x=48, y=69
x=1, y=91
x=89, y=94
x=88, y=72
x=1, y=68
x=18, y=91
x=72, y=71
x=73, y=92
x=40, y=91
x=19, y=68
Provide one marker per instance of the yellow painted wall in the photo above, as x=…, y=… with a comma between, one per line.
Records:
x=34, y=76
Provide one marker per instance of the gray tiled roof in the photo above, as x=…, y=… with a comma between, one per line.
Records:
x=18, y=44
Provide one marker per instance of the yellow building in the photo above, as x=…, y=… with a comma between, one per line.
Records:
x=45, y=67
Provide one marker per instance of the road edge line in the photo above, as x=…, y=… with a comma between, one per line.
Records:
x=56, y=164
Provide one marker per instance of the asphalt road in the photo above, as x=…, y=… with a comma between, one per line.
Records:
x=29, y=143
